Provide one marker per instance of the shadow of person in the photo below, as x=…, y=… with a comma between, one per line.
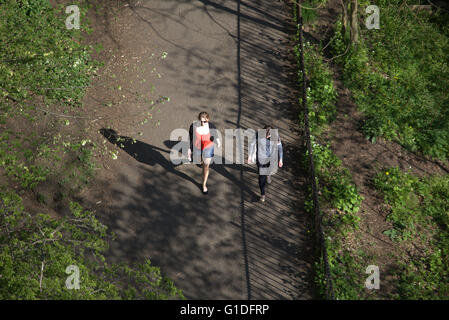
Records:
x=144, y=153
x=222, y=169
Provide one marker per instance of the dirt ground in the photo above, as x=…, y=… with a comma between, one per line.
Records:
x=364, y=159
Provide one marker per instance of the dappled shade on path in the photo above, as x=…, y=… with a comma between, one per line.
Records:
x=233, y=57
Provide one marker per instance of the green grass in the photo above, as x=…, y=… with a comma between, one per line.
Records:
x=399, y=77
x=39, y=52
x=420, y=216
x=339, y=204
x=337, y=188
x=42, y=64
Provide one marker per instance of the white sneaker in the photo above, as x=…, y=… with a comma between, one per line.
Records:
x=262, y=198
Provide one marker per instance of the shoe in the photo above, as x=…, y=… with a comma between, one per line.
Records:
x=268, y=179
x=262, y=198
x=205, y=191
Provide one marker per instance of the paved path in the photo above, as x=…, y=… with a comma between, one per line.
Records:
x=229, y=58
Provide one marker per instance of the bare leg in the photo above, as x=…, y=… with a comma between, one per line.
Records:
x=205, y=172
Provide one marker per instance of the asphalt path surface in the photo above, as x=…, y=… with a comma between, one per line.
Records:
x=233, y=60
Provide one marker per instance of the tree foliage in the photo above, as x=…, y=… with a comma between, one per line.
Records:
x=38, y=52
x=399, y=77
x=36, y=250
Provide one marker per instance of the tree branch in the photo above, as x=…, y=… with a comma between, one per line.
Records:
x=42, y=275
x=316, y=8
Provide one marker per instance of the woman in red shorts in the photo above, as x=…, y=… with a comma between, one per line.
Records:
x=202, y=144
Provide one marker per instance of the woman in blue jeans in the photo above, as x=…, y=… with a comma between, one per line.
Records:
x=202, y=144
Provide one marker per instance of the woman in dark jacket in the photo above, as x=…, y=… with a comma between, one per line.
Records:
x=202, y=144
x=261, y=151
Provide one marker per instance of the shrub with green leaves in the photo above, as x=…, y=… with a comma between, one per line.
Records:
x=337, y=188
x=41, y=58
x=397, y=189
x=340, y=203
x=17, y=161
x=321, y=94
x=399, y=77
x=339, y=198
x=39, y=52
x=309, y=9
x=35, y=252
x=420, y=215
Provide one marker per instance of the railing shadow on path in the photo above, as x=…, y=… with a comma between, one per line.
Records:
x=179, y=229
x=278, y=249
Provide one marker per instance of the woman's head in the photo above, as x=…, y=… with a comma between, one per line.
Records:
x=203, y=117
x=268, y=128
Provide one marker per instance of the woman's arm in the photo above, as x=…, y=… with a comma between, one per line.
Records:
x=280, y=152
x=213, y=137
x=252, y=149
x=191, y=137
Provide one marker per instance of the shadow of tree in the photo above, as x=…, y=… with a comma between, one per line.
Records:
x=227, y=246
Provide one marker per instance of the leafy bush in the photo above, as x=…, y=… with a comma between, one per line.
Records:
x=347, y=273
x=337, y=191
x=335, y=181
x=321, y=94
x=399, y=77
x=17, y=162
x=39, y=53
x=418, y=205
x=36, y=250
x=40, y=57
x=397, y=188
